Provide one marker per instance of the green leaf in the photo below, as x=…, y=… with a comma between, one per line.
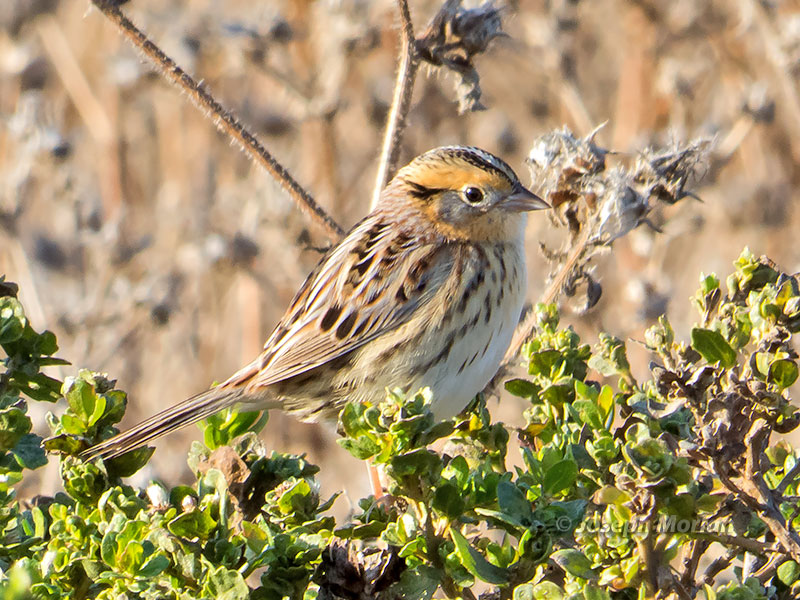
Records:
x=65, y=443
x=351, y=419
x=523, y=592
x=12, y=320
x=131, y=557
x=29, y=452
x=474, y=562
x=535, y=544
x=417, y=462
x=437, y=432
x=605, y=401
x=543, y=363
x=80, y=397
x=560, y=476
x=362, y=447
x=419, y=583
x=587, y=412
x=222, y=428
x=504, y=518
x=708, y=283
x=179, y=492
x=226, y=584
x=248, y=421
x=611, y=358
x=591, y=592
x=194, y=524
x=512, y=501
x=575, y=563
x=762, y=360
x=710, y=593
x=457, y=469
x=547, y=590
x=782, y=373
x=713, y=347
x=98, y=410
x=46, y=344
x=14, y=424
x=789, y=572
x=522, y=388
x=610, y=495
x=448, y=500
x=415, y=547
x=129, y=463
x=72, y=424
x=153, y=566
x=40, y=387
x=8, y=479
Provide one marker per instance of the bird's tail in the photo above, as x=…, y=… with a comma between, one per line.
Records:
x=194, y=409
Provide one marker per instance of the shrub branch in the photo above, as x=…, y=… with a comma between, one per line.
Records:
x=401, y=102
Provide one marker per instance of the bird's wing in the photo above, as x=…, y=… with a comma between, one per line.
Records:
x=368, y=285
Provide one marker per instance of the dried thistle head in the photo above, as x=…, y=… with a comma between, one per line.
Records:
x=567, y=166
x=664, y=174
x=598, y=204
x=453, y=38
x=346, y=571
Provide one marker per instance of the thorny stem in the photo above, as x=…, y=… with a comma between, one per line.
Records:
x=222, y=118
x=401, y=102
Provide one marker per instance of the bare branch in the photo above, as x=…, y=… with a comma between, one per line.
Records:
x=756, y=442
x=401, y=102
x=748, y=544
x=719, y=564
x=694, y=552
x=767, y=572
x=222, y=118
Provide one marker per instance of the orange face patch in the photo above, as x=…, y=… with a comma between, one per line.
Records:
x=457, y=176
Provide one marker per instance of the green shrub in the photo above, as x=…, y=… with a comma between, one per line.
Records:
x=676, y=486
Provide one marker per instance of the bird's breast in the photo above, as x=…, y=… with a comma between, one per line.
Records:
x=455, y=344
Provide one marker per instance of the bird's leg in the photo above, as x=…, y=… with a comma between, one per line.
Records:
x=375, y=480
x=383, y=501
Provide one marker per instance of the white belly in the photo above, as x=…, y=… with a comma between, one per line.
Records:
x=482, y=349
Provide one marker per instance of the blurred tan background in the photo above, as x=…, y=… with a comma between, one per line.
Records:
x=159, y=254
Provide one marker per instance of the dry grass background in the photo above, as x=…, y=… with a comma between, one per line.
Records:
x=158, y=253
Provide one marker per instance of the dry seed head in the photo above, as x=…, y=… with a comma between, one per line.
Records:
x=598, y=205
x=453, y=38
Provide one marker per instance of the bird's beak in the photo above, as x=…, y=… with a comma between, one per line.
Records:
x=523, y=200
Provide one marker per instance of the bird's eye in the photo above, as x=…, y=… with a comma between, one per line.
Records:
x=473, y=195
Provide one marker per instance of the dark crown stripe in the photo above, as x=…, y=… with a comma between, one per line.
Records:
x=476, y=157
x=484, y=160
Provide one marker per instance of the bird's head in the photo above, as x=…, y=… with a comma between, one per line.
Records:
x=465, y=193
